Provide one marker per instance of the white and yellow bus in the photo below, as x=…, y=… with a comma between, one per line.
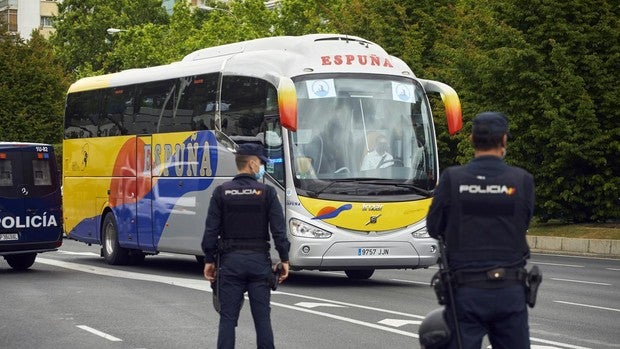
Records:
x=144, y=148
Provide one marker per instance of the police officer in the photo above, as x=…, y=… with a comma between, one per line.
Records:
x=482, y=211
x=240, y=215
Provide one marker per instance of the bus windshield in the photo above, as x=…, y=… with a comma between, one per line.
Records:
x=364, y=135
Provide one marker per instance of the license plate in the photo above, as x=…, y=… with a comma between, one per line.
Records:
x=9, y=237
x=373, y=251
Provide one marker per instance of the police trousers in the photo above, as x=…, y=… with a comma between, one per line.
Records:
x=241, y=272
x=500, y=313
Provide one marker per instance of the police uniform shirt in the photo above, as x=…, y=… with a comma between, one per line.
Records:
x=254, y=223
x=483, y=210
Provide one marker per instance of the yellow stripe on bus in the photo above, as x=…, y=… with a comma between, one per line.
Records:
x=374, y=216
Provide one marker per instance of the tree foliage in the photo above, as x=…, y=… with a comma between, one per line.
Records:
x=81, y=41
x=32, y=88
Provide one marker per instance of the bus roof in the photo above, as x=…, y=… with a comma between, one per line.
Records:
x=287, y=56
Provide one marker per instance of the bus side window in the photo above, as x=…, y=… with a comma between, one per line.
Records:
x=152, y=98
x=119, y=110
x=83, y=114
x=249, y=113
x=195, y=107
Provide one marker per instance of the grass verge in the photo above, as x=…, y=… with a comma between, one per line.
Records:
x=580, y=231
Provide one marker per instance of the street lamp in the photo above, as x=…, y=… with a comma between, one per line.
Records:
x=209, y=9
x=113, y=31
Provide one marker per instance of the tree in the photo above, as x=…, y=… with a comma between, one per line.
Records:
x=81, y=41
x=547, y=66
x=32, y=89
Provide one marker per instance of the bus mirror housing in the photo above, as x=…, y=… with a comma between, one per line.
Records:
x=287, y=103
x=454, y=115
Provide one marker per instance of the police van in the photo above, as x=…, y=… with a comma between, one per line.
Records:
x=30, y=202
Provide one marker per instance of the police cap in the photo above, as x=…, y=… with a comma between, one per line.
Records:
x=490, y=123
x=253, y=149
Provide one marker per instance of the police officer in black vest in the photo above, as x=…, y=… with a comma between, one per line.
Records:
x=240, y=215
x=482, y=211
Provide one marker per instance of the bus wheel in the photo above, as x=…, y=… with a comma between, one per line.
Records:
x=21, y=261
x=136, y=257
x=359, y=274
x=200, y=260
x=112, y=251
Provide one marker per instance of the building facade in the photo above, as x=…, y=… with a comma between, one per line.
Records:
x=23, y=16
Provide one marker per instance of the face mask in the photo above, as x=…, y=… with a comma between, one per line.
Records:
x=260, y=173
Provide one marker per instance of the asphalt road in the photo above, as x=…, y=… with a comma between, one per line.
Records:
x=72, y=299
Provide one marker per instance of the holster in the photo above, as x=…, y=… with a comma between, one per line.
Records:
x=440, y=283
x=533, y=280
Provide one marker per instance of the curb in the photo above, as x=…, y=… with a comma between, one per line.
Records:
x=587, y=247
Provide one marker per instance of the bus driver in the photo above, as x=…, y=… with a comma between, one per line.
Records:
x=379, y=157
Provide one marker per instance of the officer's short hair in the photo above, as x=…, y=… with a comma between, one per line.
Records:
x=241, y=161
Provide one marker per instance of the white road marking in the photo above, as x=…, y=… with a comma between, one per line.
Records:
x=399, y=322
x=99, y=333
x=588, y=306
x=582, y=282
x=314, y=305
x=202, y=285
x=613, y=269
x=559, y=264
x=89, y=254
x=428, y=283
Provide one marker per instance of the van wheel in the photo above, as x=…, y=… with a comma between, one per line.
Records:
x=112, y=251
x=359, y=274
x=21, y=261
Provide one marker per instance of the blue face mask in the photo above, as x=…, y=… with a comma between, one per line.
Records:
x=261, y=172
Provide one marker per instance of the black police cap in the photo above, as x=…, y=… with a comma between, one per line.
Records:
x=253, y=149
x=490, y=123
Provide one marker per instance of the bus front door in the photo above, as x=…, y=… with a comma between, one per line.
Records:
x=144, y=217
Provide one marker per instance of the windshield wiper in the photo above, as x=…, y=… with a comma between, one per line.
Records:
x=316, y=194
x=419, y=190
x=374, y=181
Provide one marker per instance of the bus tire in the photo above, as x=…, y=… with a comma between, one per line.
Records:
x=113, y=253
x=201, y=260
x=361, y=274
x=21, y=261
x=136, y=257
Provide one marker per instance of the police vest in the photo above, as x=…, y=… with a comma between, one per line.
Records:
x=244, y=211
x=487, y=215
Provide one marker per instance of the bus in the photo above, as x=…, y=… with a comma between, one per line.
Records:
x=30, y=202
x=144, y=148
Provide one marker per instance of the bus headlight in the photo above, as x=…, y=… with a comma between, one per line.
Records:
x=305, y=230
x=421, y=233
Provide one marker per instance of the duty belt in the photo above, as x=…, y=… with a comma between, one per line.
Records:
x=497, y=277
x=258, y=245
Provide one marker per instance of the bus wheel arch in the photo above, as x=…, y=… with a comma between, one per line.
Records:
x=359, y=274
x=21, y=261
x=111, y=250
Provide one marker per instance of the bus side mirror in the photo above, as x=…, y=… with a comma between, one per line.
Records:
x=287, y=103
x=454, y=115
